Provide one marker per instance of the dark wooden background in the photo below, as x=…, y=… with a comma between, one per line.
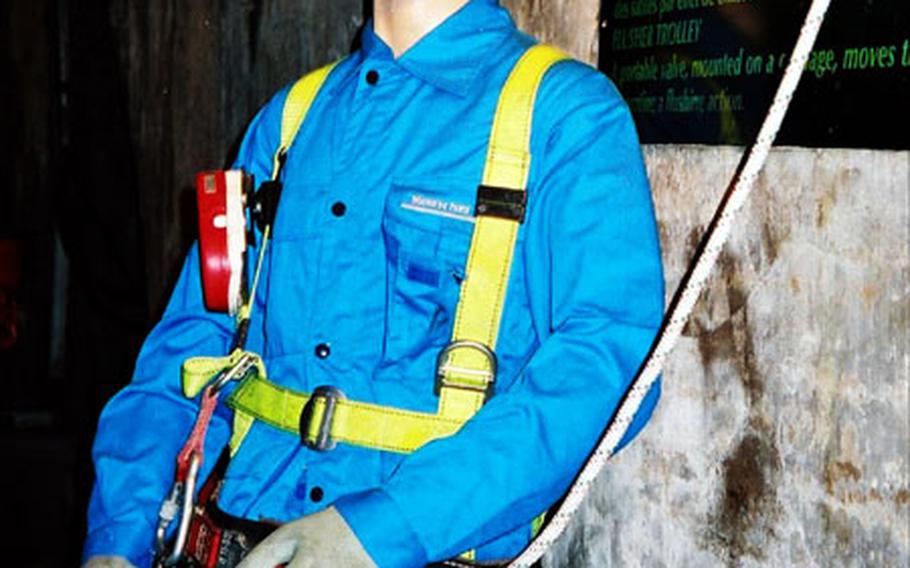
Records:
x=109, y=107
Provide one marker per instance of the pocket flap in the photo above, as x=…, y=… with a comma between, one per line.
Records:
x=430, y=219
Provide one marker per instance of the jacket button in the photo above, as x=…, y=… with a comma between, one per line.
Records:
x=372, y=76
x=322, y=350
x=316, y=494
x=339, y=209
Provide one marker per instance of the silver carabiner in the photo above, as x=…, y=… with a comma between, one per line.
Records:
x=240, y=370
x=166, y=516
x=187, y=502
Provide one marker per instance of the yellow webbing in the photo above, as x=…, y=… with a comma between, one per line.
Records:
x=197, y=372
x=467, y=373
x=358, y=423
x=483, y=290
x=296, y=106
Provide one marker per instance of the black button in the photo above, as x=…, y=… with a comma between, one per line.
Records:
x=316, y=494
x=372, y=76
x=323, y=350
x=339, y=209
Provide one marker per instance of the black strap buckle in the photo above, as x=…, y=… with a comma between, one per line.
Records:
x=323, y=441
x=441, y=369
x=264, y=204
x=501, y=202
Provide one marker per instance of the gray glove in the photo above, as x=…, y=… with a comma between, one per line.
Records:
x=315, y=541
x=108, y=562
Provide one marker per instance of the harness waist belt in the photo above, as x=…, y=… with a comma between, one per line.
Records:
x=325, y=417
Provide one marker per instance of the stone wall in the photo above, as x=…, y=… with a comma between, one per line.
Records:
x=782, y=437
x=570, y=24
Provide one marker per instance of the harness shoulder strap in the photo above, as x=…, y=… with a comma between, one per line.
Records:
x=467, y=374
x=296, y=106
x=467, y=366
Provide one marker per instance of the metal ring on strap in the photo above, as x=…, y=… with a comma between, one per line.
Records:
x=441, y=368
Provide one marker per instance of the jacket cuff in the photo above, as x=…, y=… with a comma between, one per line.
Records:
x=382, y=529
x=131, y=540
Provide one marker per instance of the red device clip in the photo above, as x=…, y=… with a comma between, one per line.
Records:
x=221, y=197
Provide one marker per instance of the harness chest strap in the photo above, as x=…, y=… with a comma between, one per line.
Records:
x=466, y=372
x=347, y=421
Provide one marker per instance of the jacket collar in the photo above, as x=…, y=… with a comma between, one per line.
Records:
x=451, y=55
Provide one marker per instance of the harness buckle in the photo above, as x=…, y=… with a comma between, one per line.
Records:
x=323, y=441
x=502, y=202
x=264, y=206
x=489, y=376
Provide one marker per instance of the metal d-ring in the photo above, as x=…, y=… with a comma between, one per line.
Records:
x=466, y=344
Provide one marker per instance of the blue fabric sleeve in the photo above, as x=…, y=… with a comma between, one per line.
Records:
x=596, y=287
x=144, y=426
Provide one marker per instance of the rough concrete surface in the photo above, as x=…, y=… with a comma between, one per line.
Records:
x=782, y=437
x=570, y=24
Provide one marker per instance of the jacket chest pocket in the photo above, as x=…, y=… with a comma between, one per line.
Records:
x=427, y=232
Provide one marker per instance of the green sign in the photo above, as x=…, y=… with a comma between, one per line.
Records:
x=705, y=71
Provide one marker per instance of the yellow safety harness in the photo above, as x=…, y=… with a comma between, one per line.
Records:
x=466, y=368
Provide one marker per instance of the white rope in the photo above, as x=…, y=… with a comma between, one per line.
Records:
x=692, y=285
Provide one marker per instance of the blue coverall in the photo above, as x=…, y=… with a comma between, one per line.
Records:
x=359, y=291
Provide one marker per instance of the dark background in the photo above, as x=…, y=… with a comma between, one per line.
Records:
x=109, y=107
x=856, y=109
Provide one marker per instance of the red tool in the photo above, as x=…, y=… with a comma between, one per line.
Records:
x=222, y=200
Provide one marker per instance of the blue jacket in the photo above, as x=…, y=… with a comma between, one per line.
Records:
x=391, y=164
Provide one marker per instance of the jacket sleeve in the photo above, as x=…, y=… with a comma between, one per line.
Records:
x=143, y=427
x=596, y=292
